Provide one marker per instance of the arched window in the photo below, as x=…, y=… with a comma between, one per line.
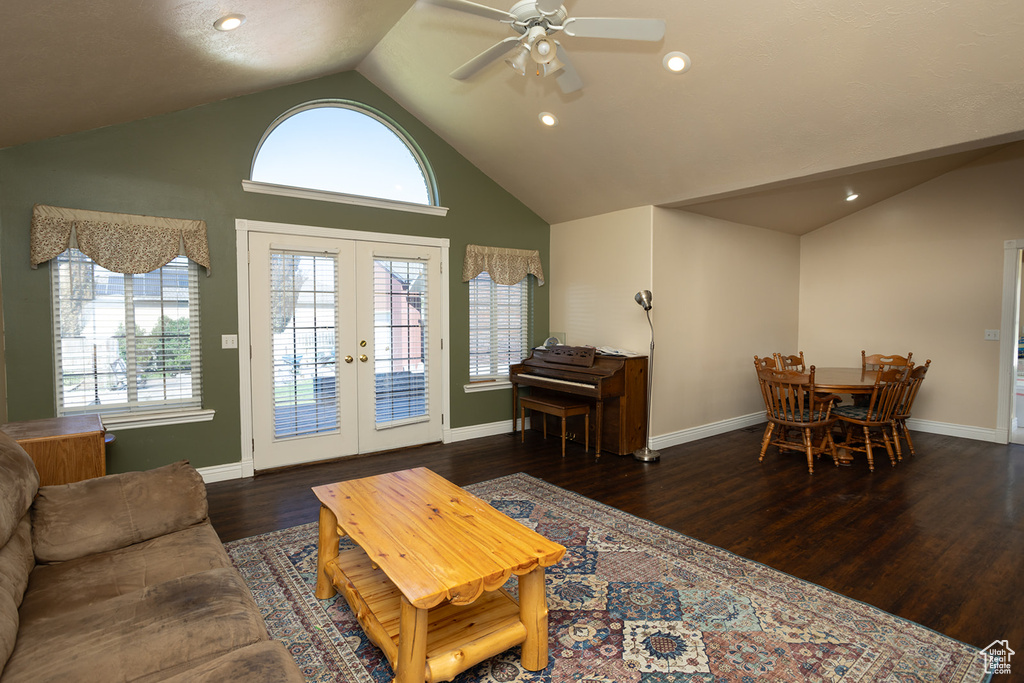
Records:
x=336, y=150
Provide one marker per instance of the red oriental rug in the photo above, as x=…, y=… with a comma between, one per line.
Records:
x=631, y=602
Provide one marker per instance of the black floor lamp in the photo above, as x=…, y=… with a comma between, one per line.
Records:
x=647, y=454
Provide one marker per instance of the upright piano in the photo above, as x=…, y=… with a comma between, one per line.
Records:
x=615, y=385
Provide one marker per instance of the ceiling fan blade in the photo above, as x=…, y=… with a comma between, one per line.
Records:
x=473, y=8
x=491, y=54
x=608, y=27
x=568, y=80
x=547, y=7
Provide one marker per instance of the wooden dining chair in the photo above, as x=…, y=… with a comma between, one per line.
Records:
x=767, y=363
x=792, y=404
x=791, y=362
x=914, y=380
x=882, y=361
x=876, y=417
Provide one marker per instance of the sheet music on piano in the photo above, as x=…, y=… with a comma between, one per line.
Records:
x=602, y=350
x=619, y=353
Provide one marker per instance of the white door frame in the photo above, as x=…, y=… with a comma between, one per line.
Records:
x=1008, y=338
x=245, y=226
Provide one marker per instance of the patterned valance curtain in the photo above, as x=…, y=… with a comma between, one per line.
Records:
x=505, y=266
x=120, y=242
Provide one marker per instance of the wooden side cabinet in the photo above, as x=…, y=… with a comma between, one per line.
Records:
x=64, y=449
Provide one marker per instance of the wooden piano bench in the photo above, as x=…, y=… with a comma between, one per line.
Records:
x=559, y=407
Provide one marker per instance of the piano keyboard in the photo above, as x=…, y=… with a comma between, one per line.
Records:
x=552, y=380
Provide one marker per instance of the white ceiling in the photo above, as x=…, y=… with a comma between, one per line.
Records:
x=788, y=103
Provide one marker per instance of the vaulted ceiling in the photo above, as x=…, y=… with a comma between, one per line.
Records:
x=789, y=104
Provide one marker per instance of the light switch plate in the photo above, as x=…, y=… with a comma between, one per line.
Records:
x=991, y=335
x=229, y=341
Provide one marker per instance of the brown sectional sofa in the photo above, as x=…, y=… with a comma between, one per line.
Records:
x=122, y=578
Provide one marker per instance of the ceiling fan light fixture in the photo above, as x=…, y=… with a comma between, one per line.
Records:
x=677, y=62
x=553, y=66
x=518, y=60
x=543, y=51
x=229, y=22
x=548, y=119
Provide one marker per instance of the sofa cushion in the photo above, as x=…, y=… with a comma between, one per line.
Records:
x=66, y=586
x=266, y=662
x=16, y=562
x=146, y=635
x=98, y=515
x=18, y=484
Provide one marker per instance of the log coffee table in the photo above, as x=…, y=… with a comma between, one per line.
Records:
x=426, y=577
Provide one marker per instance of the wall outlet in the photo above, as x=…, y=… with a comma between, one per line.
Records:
x=991, y=335
x=229, y=341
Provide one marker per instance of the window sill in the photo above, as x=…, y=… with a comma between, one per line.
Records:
x=161, y=419
x=341, y=198
x=486, y=386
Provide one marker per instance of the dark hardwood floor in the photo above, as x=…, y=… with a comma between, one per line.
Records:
x=938, y=540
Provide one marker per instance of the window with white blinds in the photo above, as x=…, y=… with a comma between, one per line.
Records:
x=498, y=326
x=125, y=343
x=401, y=386
x=303, y=314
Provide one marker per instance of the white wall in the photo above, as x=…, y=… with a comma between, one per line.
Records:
x=921, y=272
x=597, y=266
x=725, y=292
x=722, y=293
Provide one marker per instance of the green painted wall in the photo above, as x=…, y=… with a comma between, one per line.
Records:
x=190, y=164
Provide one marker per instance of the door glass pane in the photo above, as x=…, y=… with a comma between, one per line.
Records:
x=303, y=317
x=400, y=341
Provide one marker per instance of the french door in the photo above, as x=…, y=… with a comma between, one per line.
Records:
x=345, y=337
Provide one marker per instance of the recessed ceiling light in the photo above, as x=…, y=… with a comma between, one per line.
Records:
x=229, y=22
x=851, y=196
x=548, y=119
x=677, y=62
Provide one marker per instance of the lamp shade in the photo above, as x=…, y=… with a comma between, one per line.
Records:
x=543, y=50
x=518, y=59
x=645, y=299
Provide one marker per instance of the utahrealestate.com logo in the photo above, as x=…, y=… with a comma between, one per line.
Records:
x=997, y=657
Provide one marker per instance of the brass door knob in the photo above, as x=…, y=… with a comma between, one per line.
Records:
x=348, y=359
x=362, y=358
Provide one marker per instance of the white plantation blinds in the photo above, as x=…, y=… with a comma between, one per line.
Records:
x=499, y=307
x=303, y=303
x=401, y=386
x=498, y=326
x=125, y=343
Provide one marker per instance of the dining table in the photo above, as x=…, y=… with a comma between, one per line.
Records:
x=840, y=380
x=845, y=380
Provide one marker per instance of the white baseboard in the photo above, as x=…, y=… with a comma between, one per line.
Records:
x=961, y=431
x=479, y=431
x=704, y=431
x=232, y=470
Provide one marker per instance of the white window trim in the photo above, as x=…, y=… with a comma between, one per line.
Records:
x=156, y=419
x=342, y=198
x=486, y=385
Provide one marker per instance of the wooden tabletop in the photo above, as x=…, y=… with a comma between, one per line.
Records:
x=434, y=540
x=53, y=426
x=845, y=380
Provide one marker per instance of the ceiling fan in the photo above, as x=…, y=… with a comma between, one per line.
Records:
x=536, y=21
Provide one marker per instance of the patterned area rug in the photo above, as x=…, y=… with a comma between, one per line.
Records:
x=631, y=602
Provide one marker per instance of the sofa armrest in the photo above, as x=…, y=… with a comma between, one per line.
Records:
x=118, y=510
